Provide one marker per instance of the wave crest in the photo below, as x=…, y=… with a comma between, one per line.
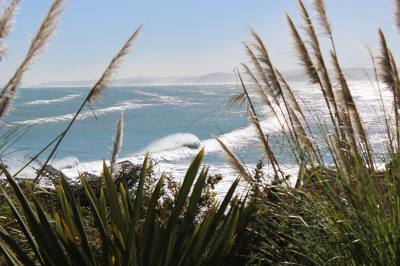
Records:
x=122, y=106
x=51, y=101
x=174, y=141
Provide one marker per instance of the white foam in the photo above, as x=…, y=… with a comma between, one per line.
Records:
x=51, y=101
x=66, y=163
x=122, y=106
x=173, y=157
x=172, y=160
x=173, y=141
x=235, y=139
x=166, y=99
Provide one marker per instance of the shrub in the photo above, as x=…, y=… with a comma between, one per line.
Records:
x=124, y=233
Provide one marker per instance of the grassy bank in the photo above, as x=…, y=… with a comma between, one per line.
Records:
x=342, y=210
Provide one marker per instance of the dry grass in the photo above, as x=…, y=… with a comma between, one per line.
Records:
x=39, y=42
x=117, y=144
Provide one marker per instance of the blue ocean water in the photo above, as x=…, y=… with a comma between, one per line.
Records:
x=152, y=114
x=163, y=120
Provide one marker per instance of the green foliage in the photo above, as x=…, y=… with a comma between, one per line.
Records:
x=125, y=234
x=341, y=208
x=331, y=221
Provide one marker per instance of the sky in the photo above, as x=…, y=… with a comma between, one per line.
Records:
x=182, y=38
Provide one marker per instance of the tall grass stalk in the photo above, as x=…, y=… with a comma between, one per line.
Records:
x=342, y=210
x=94, y=94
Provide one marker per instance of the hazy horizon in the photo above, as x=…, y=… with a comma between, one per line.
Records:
x=214, y=78
x=181, y=39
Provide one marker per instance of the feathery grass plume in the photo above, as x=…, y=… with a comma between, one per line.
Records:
x=259, y=90
x=309, y=28
x=93, y=94
x=325, y=81
x=236, y=163
x=260, y=133
x=6, y=24
x=390, y=78
x=261, y=72
x=265, y=100
x=262, y=95
x=385, y=64
x=355, y=123
x=271, y=72
x=264, y=57
x=320, y=7
x=104, y=80
x=397, y=14
x=312, y=72
x=293, y=108
x=238, y=97
x=276, y=87
x=302, y=53
x=298, y=128
x=267, y=76
x=396, y=80
x=395, y=70
x=45, y=32
x=382, y=104
x=324, y=22
x=117, y=142
x=291, y=98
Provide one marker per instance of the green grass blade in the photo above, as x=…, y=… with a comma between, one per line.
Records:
x=9, y=255
x=139, y=192
x=25, y=228
x=55, y=251
x=78, y=221
x=190, y=176
x=148, y=225
x=185, y=189
x=112, y=199
x=194, y=201
x=203, y=239
x=16, y=249
x=101, y=224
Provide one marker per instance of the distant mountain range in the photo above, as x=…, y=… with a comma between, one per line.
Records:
x=208, y=79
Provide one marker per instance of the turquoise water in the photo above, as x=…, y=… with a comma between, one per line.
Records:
x=152, y=114
x=164, y=120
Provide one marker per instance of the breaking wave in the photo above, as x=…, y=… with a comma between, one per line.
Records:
x=174, y=141
x=172, y=151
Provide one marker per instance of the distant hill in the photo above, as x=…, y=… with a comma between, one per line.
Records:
x=208, y=79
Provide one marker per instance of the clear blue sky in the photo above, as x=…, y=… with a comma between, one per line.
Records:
x=182, y=37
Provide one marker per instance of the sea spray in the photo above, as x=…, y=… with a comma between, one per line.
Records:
x=174, y=141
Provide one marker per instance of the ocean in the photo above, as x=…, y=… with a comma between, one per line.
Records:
x=163, y=120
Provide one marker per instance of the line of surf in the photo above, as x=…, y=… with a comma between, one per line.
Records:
x=172, y=155
x=122, y=106
x=52, y=101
